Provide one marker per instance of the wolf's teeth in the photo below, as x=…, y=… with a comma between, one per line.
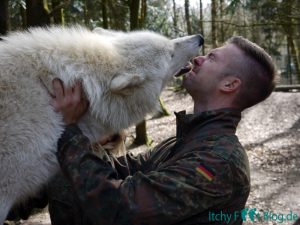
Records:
x=187, y=68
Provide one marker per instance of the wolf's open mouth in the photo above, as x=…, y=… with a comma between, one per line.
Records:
x=187, y=68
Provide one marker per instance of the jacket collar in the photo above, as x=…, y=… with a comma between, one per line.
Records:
x=221, y=121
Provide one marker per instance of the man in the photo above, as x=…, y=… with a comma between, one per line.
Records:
x=201, y=176
x=62, y=205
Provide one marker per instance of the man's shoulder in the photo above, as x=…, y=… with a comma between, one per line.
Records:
x=223, y=146
x=227, y=146
x=222, y=150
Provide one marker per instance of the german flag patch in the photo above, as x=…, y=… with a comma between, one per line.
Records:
x=206, y=172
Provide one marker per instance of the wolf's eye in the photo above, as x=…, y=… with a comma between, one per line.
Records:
x=172, y=55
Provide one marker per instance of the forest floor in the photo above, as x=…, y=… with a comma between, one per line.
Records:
x=270, y=133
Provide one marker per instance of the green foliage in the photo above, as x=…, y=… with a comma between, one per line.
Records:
x=159, y=19
x=16, y=8
x=74, y=12
x=233, y=6
x=269, y=23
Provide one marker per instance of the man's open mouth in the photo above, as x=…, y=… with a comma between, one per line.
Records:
x=187, y=68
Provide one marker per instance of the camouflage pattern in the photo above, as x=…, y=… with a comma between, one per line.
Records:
x=163, y=186
x=64, y=208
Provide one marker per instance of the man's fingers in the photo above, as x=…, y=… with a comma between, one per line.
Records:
x=59, y=94
x=68, y=93
x=58, y=88
x=54, y=104
x=77, y=91
x=69, y=101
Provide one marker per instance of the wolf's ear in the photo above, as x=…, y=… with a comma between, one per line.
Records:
x=125, y=83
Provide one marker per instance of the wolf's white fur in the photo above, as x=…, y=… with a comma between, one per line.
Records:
x=122, y=74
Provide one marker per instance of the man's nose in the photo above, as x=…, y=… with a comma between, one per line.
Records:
x=198, y=60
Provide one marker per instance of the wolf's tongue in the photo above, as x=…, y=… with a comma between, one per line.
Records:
x=187, y=68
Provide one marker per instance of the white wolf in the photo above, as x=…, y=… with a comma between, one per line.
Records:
x=122, y=75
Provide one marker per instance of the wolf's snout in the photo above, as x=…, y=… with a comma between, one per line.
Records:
x=201, y=40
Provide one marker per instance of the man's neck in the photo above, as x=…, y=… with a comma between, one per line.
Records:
x=203, y=108
x=200, y=106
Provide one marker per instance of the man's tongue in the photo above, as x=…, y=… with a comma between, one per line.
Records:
x=187, y=68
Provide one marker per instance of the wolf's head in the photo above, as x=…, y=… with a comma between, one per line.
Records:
x=149, y=56
x=145, y=62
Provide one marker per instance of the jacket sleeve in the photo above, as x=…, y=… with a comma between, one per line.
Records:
x=129, y=164
x=165, y=196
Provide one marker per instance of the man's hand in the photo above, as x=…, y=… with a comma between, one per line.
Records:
x=70, y=101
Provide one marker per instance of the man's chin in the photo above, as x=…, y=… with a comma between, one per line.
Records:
x=190, y=76
x=186, y=84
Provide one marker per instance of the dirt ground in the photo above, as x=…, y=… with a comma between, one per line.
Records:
x=270, y=132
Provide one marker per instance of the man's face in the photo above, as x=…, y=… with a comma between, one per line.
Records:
x=204, y=79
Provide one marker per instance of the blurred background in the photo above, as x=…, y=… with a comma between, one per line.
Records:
x=273, y=24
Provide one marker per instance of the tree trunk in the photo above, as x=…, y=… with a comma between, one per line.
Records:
x=222, y=31
x=4, y=17
x=288, y=69
x=201, y=24
x=164, y=110
x=86, y=13
x=213, y=23
x=104, y=14
x=36, y=13
x=23, y=16
x=175, y=18
x=294, y=56
x=115, y=11
x=140, y=129
x=187, y=17
x=143, y=14
x=57, y=12
x=141, y=134
x=134, y=6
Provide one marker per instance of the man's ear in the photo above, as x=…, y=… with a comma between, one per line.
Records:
x=230, y=84
x=123, y=84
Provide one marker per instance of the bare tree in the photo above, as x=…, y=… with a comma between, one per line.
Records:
x=86, y=12
x=221, y=17
x=187, y=16
x=213, y=23
x=175, y=17
x=141, y=128
x=104, y=14
x=143, y=16
x=201, y=24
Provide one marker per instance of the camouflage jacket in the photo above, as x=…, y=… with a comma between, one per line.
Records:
x=201, y=176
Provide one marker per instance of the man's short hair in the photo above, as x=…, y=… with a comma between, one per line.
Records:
x=257, y=73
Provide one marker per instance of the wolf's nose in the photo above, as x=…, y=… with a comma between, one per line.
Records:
x=201, y=39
